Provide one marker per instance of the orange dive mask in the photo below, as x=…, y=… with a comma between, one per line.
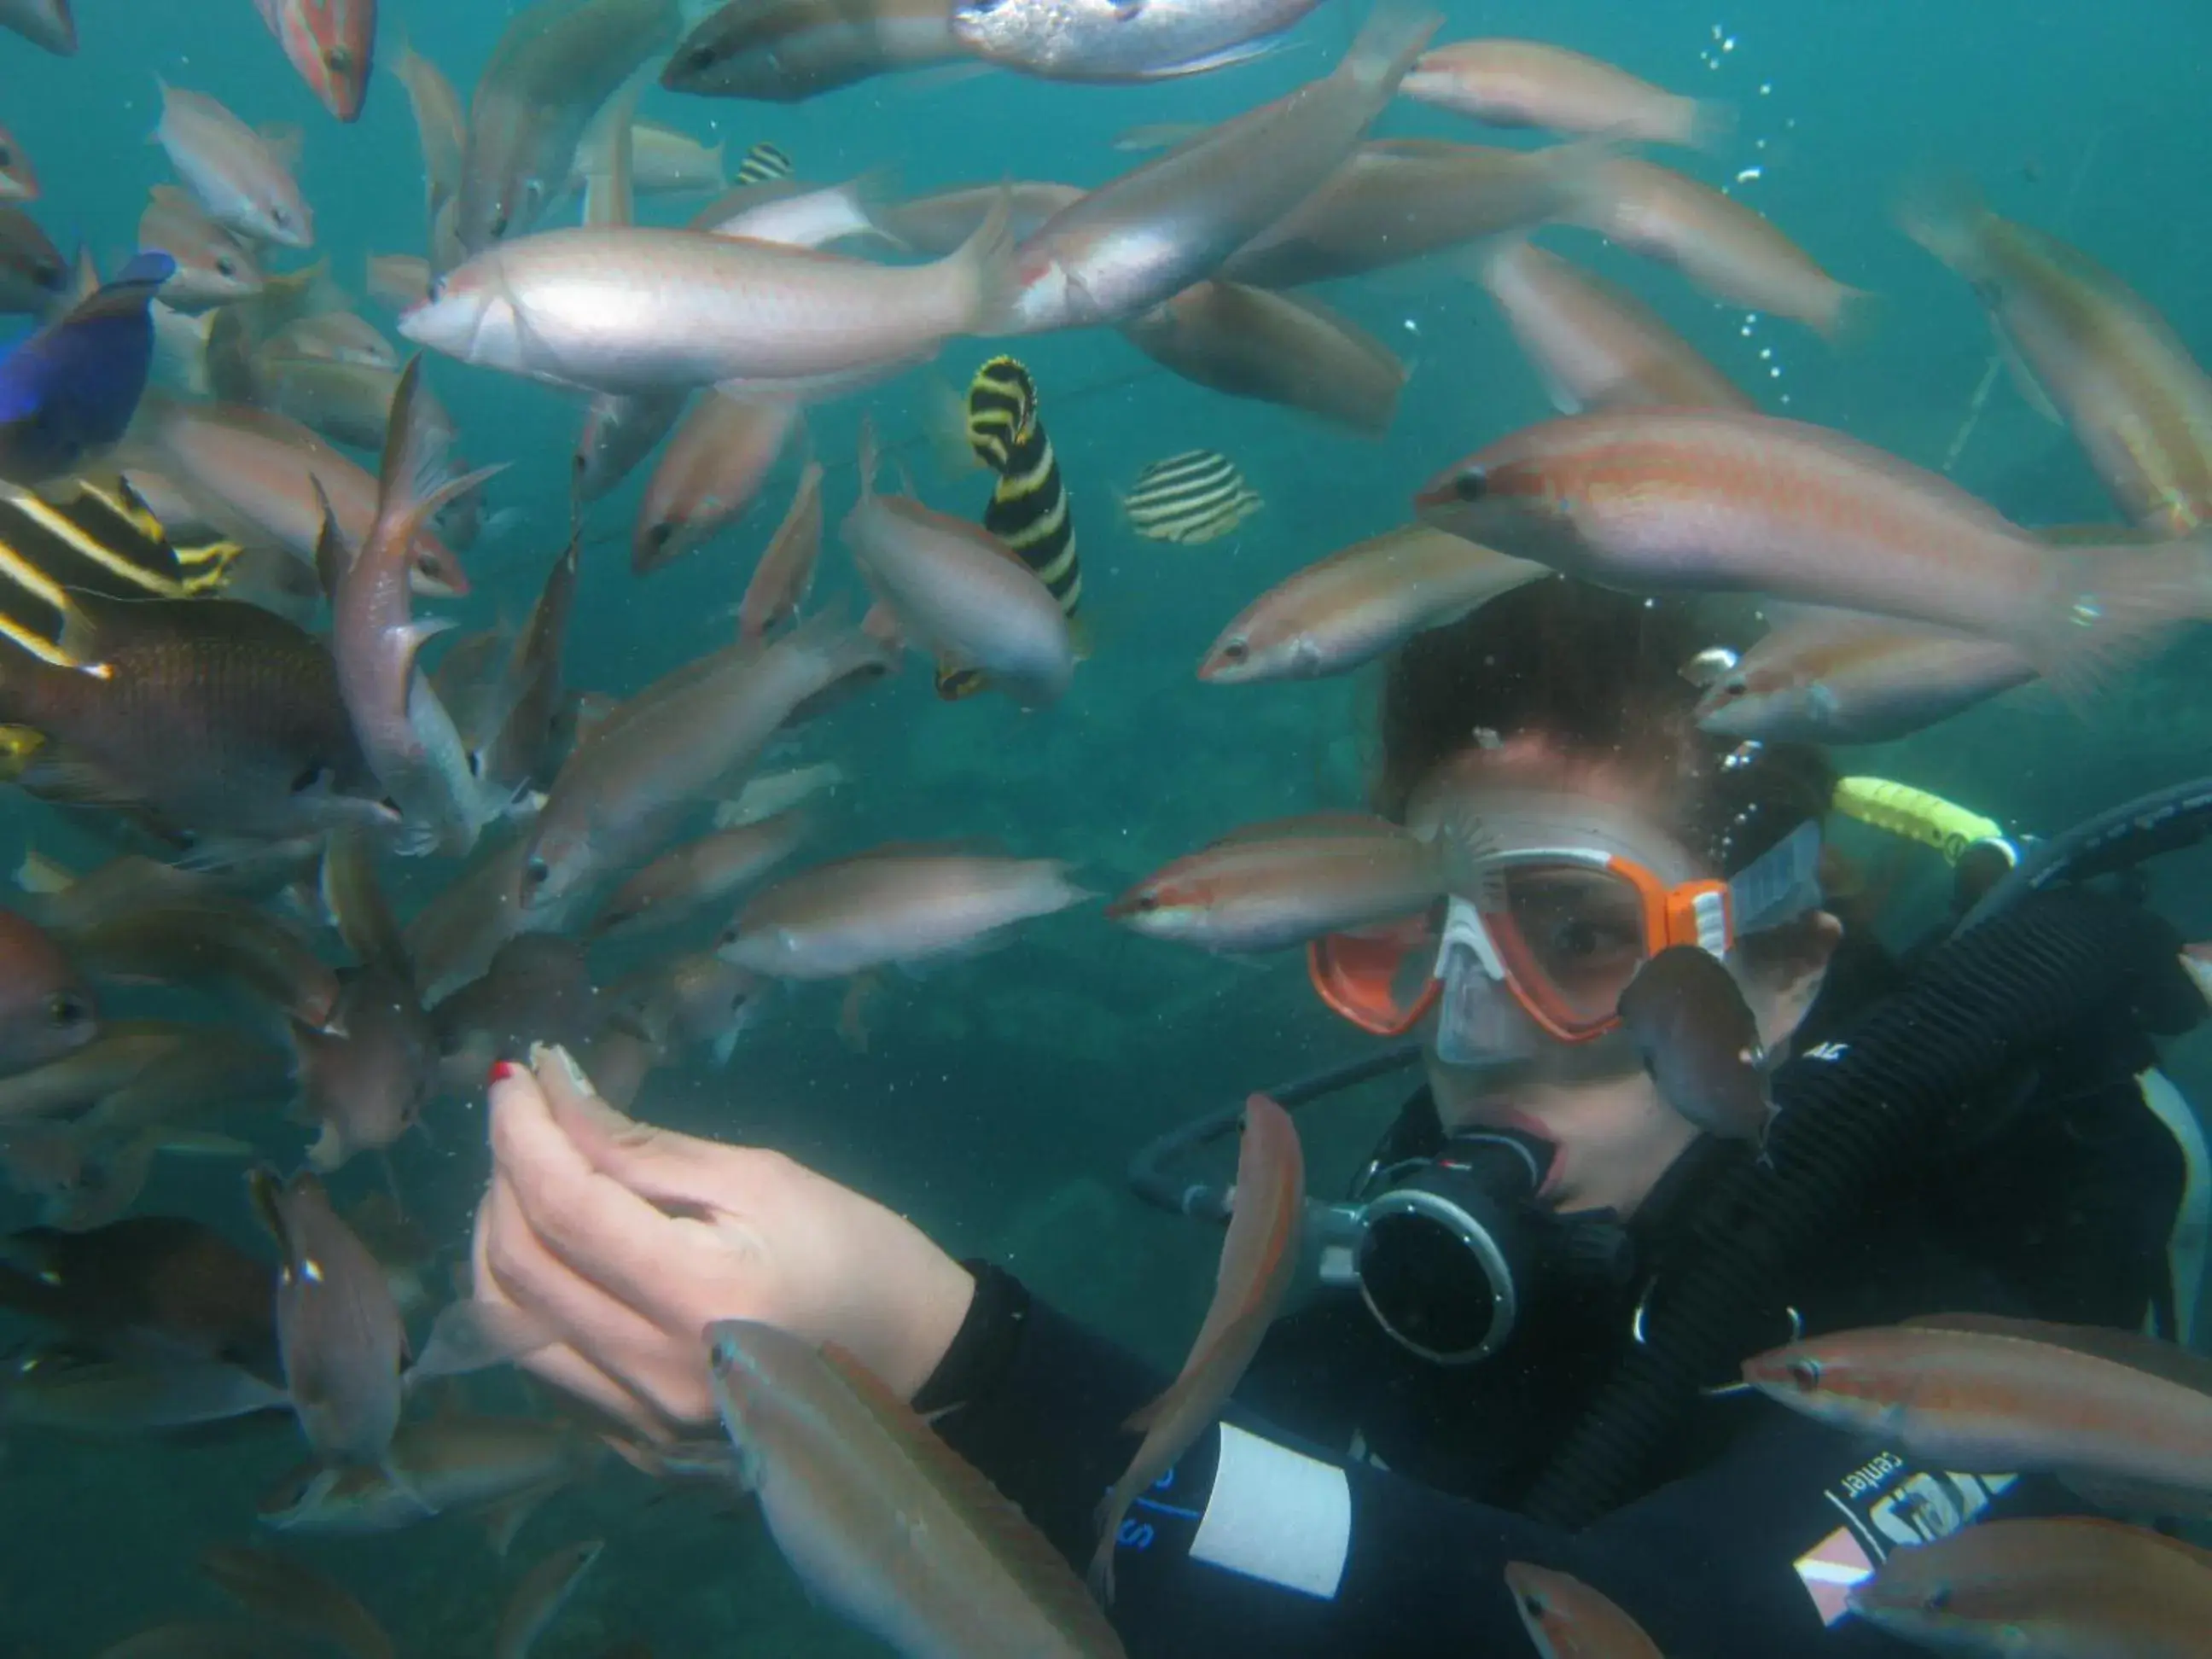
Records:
x=1558, y=902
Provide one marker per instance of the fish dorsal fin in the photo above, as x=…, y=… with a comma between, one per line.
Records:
x=2132, y=1349
x=286, y=141
x=1014, y=1539
x=332, y=556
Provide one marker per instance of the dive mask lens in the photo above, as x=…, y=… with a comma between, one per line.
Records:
x=1571, y=936
x=1478, y=1021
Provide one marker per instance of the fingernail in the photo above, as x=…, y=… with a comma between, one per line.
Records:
x=500, y=1071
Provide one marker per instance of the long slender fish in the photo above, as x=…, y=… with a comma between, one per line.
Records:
x=1396, y=199
x=785, y=574
x=47, y=23
x=1101, y=40
x=717, y=460
x=337, y=1325
x=2137, y=402
x=214, y=266
x=622, y=791
x=651, y=310
x=406, y=731
x=1985, y=1393
x=1272, y=886
x=1595, y=345
x=538, y=1598
x=1568, y=1620
x=19, y=179
x=436, y=1466
x=554, y=64
x=332, y=44
x=709, y=871
x=1728, y=249
x=959, y=593
x=288, y=1592
x=235, y=172
x=1716, y=501
x=2058, y=1587
x=787, y=51
x=1531, y=83
x=881, y=1519
x=1259, y=1257
x=907, y=905
x=441, y=132
x=1836, y=676
x=1359, y=603
x=1152, y=233
x=1249, y=343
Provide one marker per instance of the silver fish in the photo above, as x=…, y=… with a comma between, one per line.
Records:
x=237, y=173
x=1101, y=40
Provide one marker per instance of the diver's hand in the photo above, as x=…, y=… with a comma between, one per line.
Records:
x=629, y=1240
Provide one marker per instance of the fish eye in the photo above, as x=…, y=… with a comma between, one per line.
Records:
x=307, y=780
x=498, y=225
x=700, y=58
x=536, y=872
x=338, y=60
x=280, y=214
x=1737, y=686
x=535, y=189
x=1804, y=1374
x=1144, y=904
x=1236, y=651
x=7, y=156
x=226, y=266
x=1533, y=1605
x=1470, y=485
x=66, y=1008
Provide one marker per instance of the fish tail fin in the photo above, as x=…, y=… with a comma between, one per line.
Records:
x=1853, y=319
x=984, y=267
x=1946, y=216
x=1387, y=45
x=1712, y=125
x=2111, y=607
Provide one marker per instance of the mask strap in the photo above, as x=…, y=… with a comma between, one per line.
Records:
x=1781, y=882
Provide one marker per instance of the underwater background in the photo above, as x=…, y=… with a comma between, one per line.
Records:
x=997, y=1101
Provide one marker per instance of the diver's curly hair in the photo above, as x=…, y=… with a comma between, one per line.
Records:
x=1598, y=675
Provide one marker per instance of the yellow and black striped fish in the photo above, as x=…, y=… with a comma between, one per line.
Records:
x=88, y=536
x=1028, y=509
x=1192, y=498
x=761, y=163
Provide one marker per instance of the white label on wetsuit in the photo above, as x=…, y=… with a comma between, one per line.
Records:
x=1277, y=1514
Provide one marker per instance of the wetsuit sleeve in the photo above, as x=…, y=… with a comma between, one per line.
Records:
x=1251, y=1545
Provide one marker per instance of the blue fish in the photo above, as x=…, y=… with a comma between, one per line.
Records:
x=71, y=389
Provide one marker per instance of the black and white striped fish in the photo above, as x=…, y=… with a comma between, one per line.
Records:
x=1189, y=498
x=1029, y=510
x=760, y=164
x=82, y=536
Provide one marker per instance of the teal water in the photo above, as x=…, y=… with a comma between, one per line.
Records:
x=997, y=1101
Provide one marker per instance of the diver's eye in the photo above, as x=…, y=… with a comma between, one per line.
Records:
x=536, y=872
x=65, y=1009
x=1471, y=485
x=1804, y=1374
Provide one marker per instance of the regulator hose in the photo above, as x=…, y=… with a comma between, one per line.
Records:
x=1853, y=1113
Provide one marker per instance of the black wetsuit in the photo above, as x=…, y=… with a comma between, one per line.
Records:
x=1384, y=1490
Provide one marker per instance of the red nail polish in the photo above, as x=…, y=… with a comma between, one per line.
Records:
x=500, y=1071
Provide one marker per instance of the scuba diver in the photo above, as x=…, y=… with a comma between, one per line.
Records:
x=1526, y=1317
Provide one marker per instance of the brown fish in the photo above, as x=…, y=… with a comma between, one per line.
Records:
x=437, y=1466
x=214, y=266
x=1688, y=1018
x=338, y=1328
x=619, y=431
x=147, y=1287
x=1249, y=343
x=46, y=1009
x=792, y=50
x=34, y=275
x=396, y=280
x=289, y=1593
x=366, y=1079
x=209, y=944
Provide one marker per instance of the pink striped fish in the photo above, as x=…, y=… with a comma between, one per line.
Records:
x=1257, y=1260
